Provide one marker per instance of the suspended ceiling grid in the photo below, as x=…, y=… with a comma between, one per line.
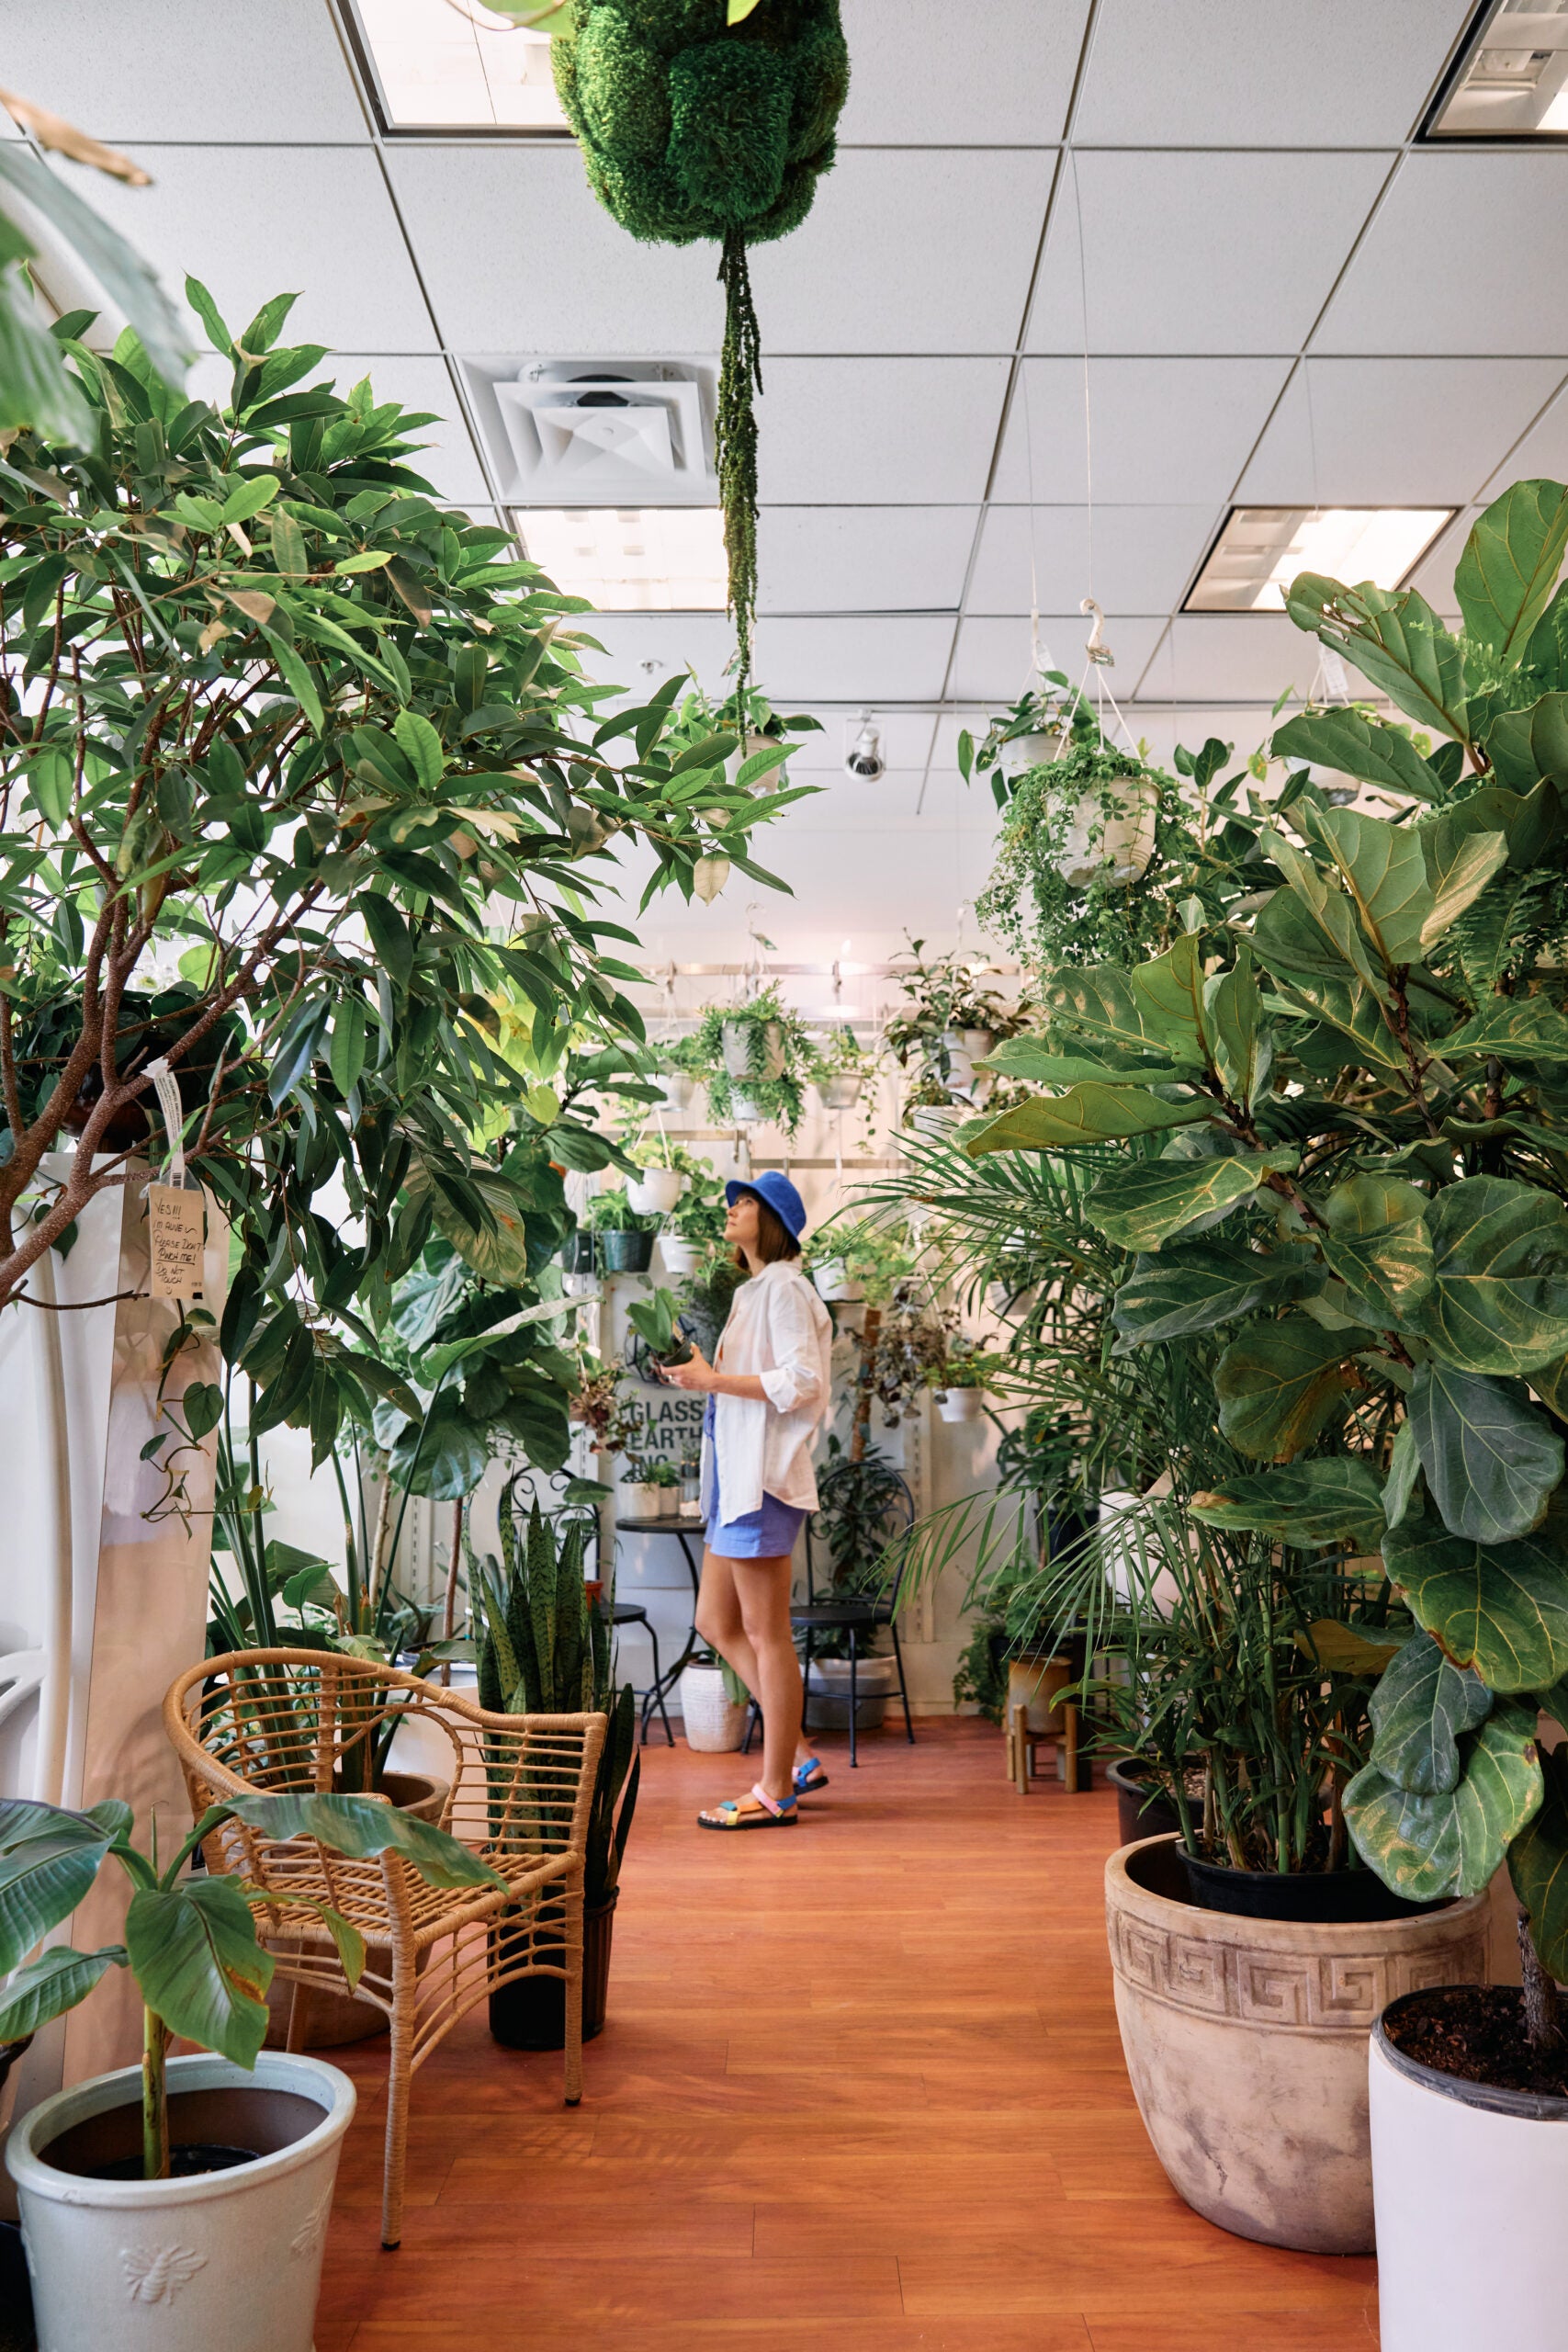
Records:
x=1288, y=300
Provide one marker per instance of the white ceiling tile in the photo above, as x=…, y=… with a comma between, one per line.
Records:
x=995, y=660
x=447, y=457
x=1199, y=252
x=889, y=259
x=1143, y=557
x=1394, y=432
x=1231, y=657
x=130, y=71
x=1163, y=726
x=254, y=221
x=1542, y=455
x=864, y=558
x=1262, y=72
x=906, y=740
x=1461, y=257
x=666, y=643
x=866, y=660
x=519, y=255
x=878, y=432
x=852, y=805
x=924, y=72
x=1434, y=575
x=1161, y=430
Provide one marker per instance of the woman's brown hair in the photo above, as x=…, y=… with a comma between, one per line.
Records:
x=774, y=1238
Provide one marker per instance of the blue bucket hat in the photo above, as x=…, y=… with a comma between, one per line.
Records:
x=780, y=1194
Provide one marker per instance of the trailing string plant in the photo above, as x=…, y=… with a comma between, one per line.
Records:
x=707, y=118
x=764, y=1058
x=270, y=710
x=1370, y=1093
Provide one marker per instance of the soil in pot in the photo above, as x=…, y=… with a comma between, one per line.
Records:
x=531, y=2014
x=1477, y=2031
x=245, y=2124
x=186, y=2161
x=1343, y=1896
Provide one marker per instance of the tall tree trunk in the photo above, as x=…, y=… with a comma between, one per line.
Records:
x=1542, y=2028
x=861, y=1427
x=449, y=1613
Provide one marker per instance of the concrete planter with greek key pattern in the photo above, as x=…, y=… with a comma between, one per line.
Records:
x=1247, y=2039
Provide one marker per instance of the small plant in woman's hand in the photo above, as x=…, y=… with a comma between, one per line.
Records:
x=656, y=1321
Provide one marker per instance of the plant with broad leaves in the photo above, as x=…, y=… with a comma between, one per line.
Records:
x=190, y=1943
x=1369, y=1095
x=657, y=1322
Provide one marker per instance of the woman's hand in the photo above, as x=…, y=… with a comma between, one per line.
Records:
x=697, y=1373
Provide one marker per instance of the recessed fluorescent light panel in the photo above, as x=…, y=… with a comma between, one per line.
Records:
x=1512, y=81
x=457, y=66
x=631, y=559
x=1262, y=548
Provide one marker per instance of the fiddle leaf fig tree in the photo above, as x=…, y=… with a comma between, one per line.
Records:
x=1343, y=1139
x=299, y=777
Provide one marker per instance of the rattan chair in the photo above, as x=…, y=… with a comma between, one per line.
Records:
x=520, y=1792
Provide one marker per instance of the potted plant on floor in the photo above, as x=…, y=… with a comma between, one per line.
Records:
x=756, y=1057
x=544, y=1648
x=199, y=2186
x=713, y=1702
x=862, y=1505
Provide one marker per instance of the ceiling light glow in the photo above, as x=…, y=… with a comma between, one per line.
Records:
x=631, y=560
x=1513, y=81
x=1262, y=548
x=457, y=65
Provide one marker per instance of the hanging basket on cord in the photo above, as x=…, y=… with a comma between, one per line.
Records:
x=695, y=126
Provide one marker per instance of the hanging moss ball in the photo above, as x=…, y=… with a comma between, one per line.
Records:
x=693, y=128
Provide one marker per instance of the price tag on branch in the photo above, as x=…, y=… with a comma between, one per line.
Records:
x=176, y=1219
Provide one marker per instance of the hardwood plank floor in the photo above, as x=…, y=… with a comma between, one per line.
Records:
x=860, y=2087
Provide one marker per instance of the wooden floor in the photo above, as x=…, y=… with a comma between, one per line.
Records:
x=860, y=2087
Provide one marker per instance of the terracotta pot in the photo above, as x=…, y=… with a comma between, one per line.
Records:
x=1246, y=2040
x=334, y=2019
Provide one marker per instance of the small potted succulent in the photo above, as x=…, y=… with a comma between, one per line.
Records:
x=201, y=2183
x=756, y=1056
x=664, y=1477
x=625, y=1236
x=838, y=1069
x=639, y=1496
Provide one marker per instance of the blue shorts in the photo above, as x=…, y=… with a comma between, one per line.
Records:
x=765, y=1535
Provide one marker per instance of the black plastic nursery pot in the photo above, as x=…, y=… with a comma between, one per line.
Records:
x=1139, y=1812
x=577, y=1254
x=626, y=1253
x=1326, y=1897
x=531, y=2014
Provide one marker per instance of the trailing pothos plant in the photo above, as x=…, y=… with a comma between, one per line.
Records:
x=271, y=716
x=1347, y=1157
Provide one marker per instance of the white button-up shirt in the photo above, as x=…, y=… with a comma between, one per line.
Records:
x=779, y=1329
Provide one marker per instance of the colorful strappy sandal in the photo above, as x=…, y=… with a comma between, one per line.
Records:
x=809, y=1777
x=758, y=1811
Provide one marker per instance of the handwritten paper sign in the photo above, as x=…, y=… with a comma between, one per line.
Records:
x=177, y=1224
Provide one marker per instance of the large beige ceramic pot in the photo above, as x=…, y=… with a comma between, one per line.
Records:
x=1247, y=2044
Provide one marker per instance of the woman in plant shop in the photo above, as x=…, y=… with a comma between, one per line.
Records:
x=767, y=1390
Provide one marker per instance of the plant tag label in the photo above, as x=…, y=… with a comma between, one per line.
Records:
x=177, y=1227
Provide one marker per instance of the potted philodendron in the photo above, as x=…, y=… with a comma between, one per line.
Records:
x=624, y=1235
x=543, y=1648
x=183, y=2203
x=658, y=1338
x=1368, y=1093
x=756, y=1056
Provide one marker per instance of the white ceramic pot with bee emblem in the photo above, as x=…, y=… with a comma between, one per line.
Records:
x=228, y=2257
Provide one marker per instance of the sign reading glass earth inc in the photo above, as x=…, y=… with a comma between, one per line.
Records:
x=669, y=1422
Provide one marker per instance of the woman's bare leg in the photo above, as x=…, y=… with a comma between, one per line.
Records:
x=762, y=1590
x=719, y=1622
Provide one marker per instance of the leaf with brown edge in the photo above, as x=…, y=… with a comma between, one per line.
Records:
x=1501, y=1607
x=1279, y=1383
x=1429, y=1847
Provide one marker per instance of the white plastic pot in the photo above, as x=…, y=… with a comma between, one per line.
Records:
x=1470, y=2186
x=960, y=1403
x=841, y=1091
x=223, y=2259
x=1121, y=840
x=637, y=1501
x=1032, y=751
x=679, y=1089
x=736, y=1037
x=743, y=1111
x=655, y=1191
x=828, y=1692
x=668, y=1501
x=832, y=1280
x=714, y=1725
x=680, y=1257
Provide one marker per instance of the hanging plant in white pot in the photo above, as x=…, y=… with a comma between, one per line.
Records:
x=755, y=1056
x=839, y=1067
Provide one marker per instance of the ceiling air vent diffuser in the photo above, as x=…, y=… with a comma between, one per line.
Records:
x=598, y=431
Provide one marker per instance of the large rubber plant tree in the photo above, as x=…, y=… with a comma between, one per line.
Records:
x=707, y=118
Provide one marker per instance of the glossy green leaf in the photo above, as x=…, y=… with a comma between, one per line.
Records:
x=1457, y=874
x=1394, y=638
x=1537, y=1864
x=1150, y=1010
x=445, y=1455
x=1198, y=1285
x=1353, y=745
x=1088, y=1113
x=362, y=1827
x=1028, y=1058
x=1499, y=1299
x=1329, y=908
x=1502, y=1608
x=194, y=1954
x=346, y=1053
x=48, y=1859
x=1526, y=1029
x=1140, y=1207
x=1404, y=1475
x=419, y=740
x=1384, y=872
x=47, y=1987
x=1510, y=565
x=1378, y=1243
x=1492, y=1461
x=1524, y=746
x=1279, y=1383
x=1331, y=1499
x=127, y=281
x=1346, y=1649
x=1419, y=1710
x=1347, y=1005
x=1429, y=1847
x=1238, y=1035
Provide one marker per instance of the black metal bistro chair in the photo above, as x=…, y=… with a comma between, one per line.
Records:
x=861, y=1615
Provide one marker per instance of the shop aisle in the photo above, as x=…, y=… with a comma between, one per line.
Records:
x=860, y=2087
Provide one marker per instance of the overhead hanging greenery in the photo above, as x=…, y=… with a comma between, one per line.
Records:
x=699, y=118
